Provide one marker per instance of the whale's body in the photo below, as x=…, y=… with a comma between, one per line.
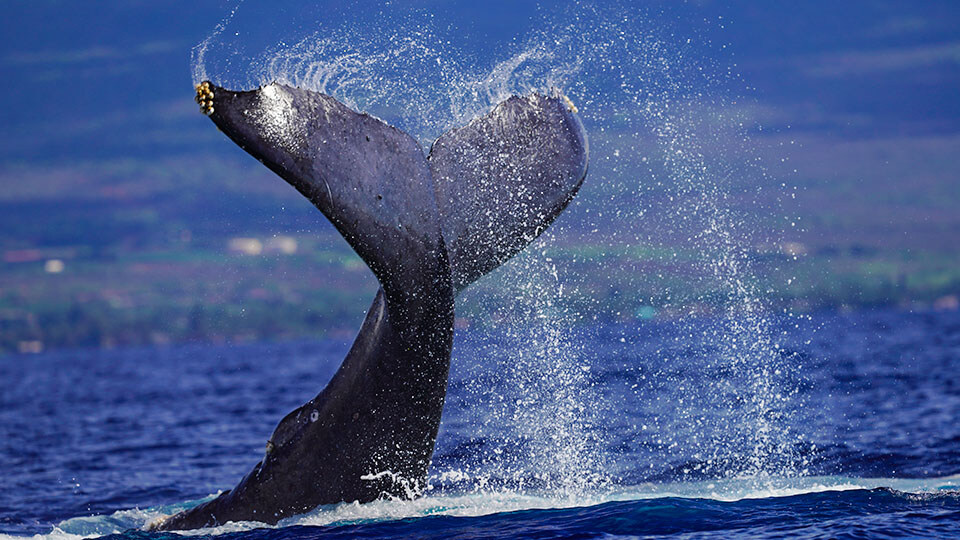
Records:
x=427, y=226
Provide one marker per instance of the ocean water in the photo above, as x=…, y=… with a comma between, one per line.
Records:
x=742, y=423
x=649, y=429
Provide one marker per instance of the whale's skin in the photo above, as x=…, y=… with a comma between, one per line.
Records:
x=503, y=178
x=427, y=226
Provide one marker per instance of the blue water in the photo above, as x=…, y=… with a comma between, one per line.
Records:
x=842, y=425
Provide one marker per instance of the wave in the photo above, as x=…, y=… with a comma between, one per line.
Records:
x=475, y=505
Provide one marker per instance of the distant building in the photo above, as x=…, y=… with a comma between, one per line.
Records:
x=53, y=266
x=287, y=245
x=245, y=246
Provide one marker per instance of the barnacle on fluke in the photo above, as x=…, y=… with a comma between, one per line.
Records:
x=205, y=98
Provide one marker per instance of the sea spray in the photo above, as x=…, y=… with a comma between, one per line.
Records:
x=742, y=417
x=540, y=427
x=670, y=180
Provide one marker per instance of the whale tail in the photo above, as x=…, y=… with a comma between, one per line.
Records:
x=427, y=226
x=484, y=192
x=503, y=178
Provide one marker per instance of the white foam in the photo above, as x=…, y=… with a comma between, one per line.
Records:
x=494, y=502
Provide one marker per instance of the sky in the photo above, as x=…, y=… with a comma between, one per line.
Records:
x=868, y=89
x=856, y=68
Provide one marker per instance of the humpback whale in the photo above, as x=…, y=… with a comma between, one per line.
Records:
x=427, y=225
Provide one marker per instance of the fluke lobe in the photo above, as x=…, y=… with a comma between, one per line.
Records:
x=427, y=226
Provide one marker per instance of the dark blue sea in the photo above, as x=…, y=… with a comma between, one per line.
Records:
x=834, y=425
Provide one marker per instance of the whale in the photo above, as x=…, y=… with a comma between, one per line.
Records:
x=427, y=224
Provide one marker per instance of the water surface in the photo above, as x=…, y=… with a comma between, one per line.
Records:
x=650, y=429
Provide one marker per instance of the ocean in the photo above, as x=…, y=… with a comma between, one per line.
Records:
x=828, y=425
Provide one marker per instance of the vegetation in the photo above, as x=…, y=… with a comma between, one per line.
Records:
x=159, y=296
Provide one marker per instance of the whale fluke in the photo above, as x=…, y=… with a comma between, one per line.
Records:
x=369, y=178
x=427, y=226
x=503, y=178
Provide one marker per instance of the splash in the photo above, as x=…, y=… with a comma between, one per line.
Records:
x=539, y=413
x=198, y=55
x=487, y=504
x=670, y=181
